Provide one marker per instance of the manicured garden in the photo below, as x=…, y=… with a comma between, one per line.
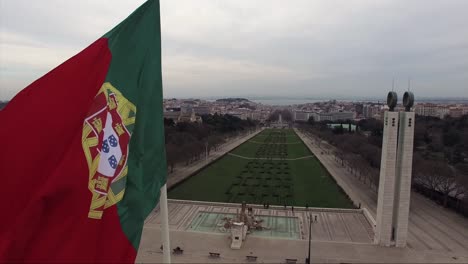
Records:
x=274, y=167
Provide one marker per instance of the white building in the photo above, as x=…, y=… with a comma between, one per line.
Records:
x=202, y=110
x=370, y=111
x=427, y=110
x=333, y=116
x=301, y=115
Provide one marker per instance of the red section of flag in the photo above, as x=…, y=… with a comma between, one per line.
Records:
x=44, y=175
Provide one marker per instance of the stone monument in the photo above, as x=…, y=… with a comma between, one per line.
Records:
x=244, y=223
x=404, y=171
x=385, y=201
x=395, y=173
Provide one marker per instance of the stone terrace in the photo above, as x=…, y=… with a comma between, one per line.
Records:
x=338, y=225
x=339, y=236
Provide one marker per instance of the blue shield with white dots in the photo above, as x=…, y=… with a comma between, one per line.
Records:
x=112, y=162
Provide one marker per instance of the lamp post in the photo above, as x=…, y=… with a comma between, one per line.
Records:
x=310, y=236
x=206, y=151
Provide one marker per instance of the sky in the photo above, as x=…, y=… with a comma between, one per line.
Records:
x=295, y=49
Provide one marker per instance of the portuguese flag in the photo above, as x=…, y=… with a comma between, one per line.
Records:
x=82, y=156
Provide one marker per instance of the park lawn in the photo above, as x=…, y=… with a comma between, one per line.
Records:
x=211, y=183
x=247, y=149
x=313, y=186
x=302, y=182
x=298, y=150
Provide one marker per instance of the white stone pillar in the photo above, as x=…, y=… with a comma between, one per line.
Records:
x=403, y=179
x=386, y=194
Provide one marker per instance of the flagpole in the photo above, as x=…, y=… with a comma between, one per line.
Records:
x=163, y=197
x=165, y=225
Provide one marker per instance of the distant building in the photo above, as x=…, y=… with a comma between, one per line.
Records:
x=370, y=111
x=426, y=110
x=202, y=110
x=439, y=111
x=239, y=115
x=261, y=116
x=173, y=109
x=443, y=111
x=181, y=116
x=256, y=116
x=174, y=115
x=189, y=117
x=359, y=108
x=301, y=116
x=332, y=116
x=455, y=112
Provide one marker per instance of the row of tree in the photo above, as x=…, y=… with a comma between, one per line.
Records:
x=440, y=166
x=351, y=149
x=440, y=169
x=188, y=142
x=442, y=138
x=286, y=115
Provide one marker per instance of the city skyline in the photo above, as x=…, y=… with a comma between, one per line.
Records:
x=258, y=48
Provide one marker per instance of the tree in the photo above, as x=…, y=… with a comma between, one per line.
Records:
x=186, y=142
x=450, y=185
x=373, y=125
x=338, y=130
x=172, y=155
x=462, y=178
x=441, y=148
x=375, y=177
x=286, y=115
x=169, y=122
x=436, y=144
x=214, y=142
x=437, y=176
x=451, y=137
x=420, y=134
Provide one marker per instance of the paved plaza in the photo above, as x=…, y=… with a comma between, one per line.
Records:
x=338, y=225
x=338, y=236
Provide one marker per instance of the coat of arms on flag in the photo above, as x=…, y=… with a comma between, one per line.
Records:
x=106, y=134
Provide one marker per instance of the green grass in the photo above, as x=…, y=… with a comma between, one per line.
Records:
x=277, y=182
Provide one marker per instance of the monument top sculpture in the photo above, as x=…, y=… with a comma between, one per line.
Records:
x=408, y=100
x=392, y=99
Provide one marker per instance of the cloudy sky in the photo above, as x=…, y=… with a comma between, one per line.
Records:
x=310, y=48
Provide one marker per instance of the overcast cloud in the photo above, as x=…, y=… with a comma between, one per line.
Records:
x=239, y=48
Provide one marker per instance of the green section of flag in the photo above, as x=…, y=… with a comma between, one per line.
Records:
x=135, y=70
